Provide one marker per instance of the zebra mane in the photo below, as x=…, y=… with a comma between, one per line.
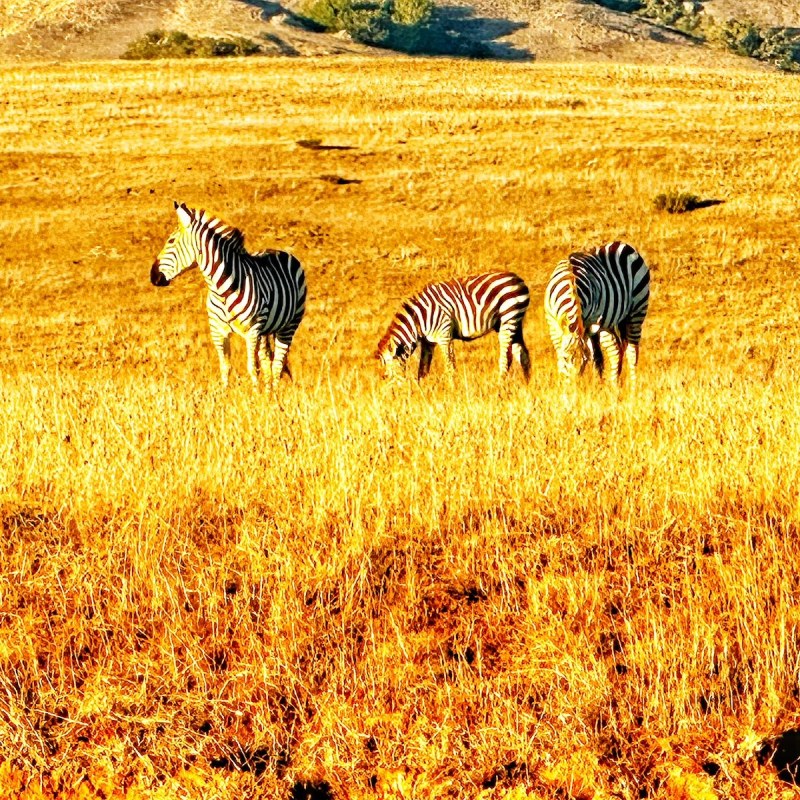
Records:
x=233, y=236
x=391, y=333
x=394, y=331
x=575, y=259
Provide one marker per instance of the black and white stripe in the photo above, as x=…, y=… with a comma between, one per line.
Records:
x=256, y=295
x=464, y=308
x=595, y=305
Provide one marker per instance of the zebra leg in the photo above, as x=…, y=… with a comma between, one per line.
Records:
x=631, y=359
x=281, y=351
x=612, y=356
x=221, y=338
x=425, y=357
x=264, y=354
x=253, y=341
x=506, y=336
x=450, y=357
x=521, y=354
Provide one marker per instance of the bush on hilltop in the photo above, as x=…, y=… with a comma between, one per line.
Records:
x=177, y=44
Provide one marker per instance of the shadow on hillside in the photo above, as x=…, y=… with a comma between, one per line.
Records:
x=270, y=9
x=283, y=47
x=455, y=30
x=458, y=25
x=622, y=19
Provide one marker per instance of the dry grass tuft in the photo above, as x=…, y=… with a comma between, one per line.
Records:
x=675, y=201
x=464, y=591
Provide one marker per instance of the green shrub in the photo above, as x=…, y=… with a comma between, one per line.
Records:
x=414, y=13
x=177, y=44
x=745, y=38
x=366, y=22
x=405, y=25
x=778, y=46
x=741, y=37
x=672, y=13
x=676, y=202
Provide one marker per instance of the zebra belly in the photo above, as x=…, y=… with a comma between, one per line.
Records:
x=242, y=327
x=600, y=322
x=465, y=333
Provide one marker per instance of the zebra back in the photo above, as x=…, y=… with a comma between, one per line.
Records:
x=477, y=304
x=562, y=304
x=613, y=283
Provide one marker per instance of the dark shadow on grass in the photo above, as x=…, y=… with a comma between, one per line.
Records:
x=705, y=204
x=243, y=759
x=675, y=202
x=783, y=752
x=316, y=144
x=309, y=790
x=338, y=180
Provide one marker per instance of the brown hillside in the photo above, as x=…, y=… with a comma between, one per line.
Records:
x=548, y=30
x=785, y=13
x=106, y=32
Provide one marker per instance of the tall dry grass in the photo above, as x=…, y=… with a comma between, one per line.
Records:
x=449, y=590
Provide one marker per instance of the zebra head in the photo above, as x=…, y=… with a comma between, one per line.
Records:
x=574, y=348
x=393, y=353
x=181, y=252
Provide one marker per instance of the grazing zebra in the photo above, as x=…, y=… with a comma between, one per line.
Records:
x=595, y=304
x=465, y=308
x=255, y=295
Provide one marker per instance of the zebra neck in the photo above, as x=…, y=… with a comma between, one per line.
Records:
x=587, y=299
x=407, y=328
x=225, y=272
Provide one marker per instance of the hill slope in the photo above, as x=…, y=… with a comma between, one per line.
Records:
x=784, y=13
x=551, y=30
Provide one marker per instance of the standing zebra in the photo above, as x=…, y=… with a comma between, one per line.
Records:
x=254, y=295
x=464, y=308
x=595, y=305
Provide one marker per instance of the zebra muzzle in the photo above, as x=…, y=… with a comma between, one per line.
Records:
x=157, y=278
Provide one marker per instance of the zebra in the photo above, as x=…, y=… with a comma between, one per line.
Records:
x=595, y=305
x=463, y=308
x=255, y=295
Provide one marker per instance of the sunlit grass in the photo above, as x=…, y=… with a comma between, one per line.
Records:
x=447, y=589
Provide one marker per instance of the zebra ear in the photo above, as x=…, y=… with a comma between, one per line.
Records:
x=184, y=215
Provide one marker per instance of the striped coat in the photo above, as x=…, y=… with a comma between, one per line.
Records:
x=464, y=308
x=595, y=306
x=258, y=296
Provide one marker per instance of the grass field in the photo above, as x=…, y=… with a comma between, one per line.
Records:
x=477, y=590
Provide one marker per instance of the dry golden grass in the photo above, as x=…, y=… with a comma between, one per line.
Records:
x=468, y=591
x=25, y=15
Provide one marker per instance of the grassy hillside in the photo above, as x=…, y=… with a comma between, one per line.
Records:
x=462, y=591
